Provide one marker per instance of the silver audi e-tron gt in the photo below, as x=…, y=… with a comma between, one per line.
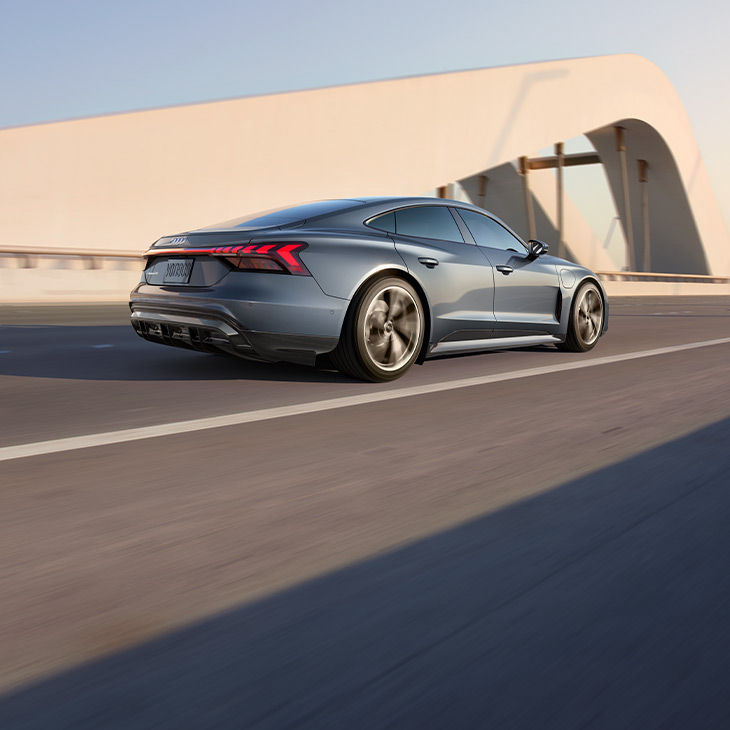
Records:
x=368, y=286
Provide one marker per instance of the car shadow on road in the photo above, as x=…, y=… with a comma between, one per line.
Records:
x=602, y=602
x=117, y=353
x=114, y=352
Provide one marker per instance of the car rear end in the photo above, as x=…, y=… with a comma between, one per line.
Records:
x=238, y=292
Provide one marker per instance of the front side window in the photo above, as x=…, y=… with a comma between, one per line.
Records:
x=428, y=221
x=487, y=232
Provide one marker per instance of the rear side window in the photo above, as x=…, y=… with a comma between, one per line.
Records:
x=384, y=223
x=428, y=221
x=487, y=232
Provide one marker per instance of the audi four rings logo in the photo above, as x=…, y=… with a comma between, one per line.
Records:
x=178, y=241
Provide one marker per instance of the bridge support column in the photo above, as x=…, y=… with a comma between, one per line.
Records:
x=529, y=209
x=559, y=197
x=483, y=180
x=644, y=184
x=626, y=218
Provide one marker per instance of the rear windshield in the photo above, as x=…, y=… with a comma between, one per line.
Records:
x=284, y=216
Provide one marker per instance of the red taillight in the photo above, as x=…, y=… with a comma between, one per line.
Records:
x=255, y=263
x=268, y=257
x=278, y=257
x=289, y=254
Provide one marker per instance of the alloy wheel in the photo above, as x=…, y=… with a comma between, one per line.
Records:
x=589, y=315
x=391, y=328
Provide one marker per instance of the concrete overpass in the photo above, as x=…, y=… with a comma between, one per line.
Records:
x=117, y=182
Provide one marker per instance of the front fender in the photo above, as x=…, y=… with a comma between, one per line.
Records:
x=581, y=275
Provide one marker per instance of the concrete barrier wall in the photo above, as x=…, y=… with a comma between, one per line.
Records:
x=20, y=286
x=664, y=289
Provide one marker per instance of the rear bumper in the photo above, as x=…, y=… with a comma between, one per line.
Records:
x=208, y=334
x=275, y=318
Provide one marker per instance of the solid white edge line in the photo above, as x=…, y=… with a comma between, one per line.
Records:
x=107, y=438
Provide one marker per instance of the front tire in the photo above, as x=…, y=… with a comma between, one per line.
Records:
x=383, y=331
x=586, y=320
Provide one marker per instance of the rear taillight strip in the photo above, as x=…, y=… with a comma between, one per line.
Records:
x=249, y=257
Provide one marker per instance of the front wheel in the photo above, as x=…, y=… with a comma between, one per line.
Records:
x=383, y=331
x=586, y=320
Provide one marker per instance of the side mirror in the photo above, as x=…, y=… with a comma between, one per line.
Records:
x=536, y=248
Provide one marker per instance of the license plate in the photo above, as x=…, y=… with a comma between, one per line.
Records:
x=178, y=271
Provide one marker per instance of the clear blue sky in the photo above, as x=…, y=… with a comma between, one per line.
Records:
x=69, y=58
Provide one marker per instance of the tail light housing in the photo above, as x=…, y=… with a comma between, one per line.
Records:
x=279, y=257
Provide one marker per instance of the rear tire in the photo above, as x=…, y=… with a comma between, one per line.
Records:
x=383, y=331
x=586, y=320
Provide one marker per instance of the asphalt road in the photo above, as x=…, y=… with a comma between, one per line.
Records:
x=548, y=551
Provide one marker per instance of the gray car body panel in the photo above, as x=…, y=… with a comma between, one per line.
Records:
x=297, y=318
x=459, y=289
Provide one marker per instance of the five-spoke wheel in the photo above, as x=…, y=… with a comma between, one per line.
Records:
x=586, y=319
x=383, y=332
x=392, y=327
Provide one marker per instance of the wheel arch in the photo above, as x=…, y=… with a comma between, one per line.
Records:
x=413, y=281
x=593, y=279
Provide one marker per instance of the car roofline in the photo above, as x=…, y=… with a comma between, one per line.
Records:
x=372, y=206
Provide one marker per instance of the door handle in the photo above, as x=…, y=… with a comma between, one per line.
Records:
x=428, y=262
x=505, y=269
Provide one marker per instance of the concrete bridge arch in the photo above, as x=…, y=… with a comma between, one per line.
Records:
x=122, y=180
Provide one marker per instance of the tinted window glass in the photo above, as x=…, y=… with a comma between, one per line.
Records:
x=285, y=216
x=487, y=232
x=428, y=221
x=384, y=222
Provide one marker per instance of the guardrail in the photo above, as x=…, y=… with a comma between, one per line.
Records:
x=27, y=257
x=31, y=257
x=670, y=278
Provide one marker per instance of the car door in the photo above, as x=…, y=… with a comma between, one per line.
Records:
x=455, y=274
x=526, y=290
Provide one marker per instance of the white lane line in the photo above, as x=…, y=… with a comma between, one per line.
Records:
x=266, y=414
x=99, y=347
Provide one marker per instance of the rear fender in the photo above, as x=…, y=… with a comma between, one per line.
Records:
x=343, y=273
x=340, y=264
